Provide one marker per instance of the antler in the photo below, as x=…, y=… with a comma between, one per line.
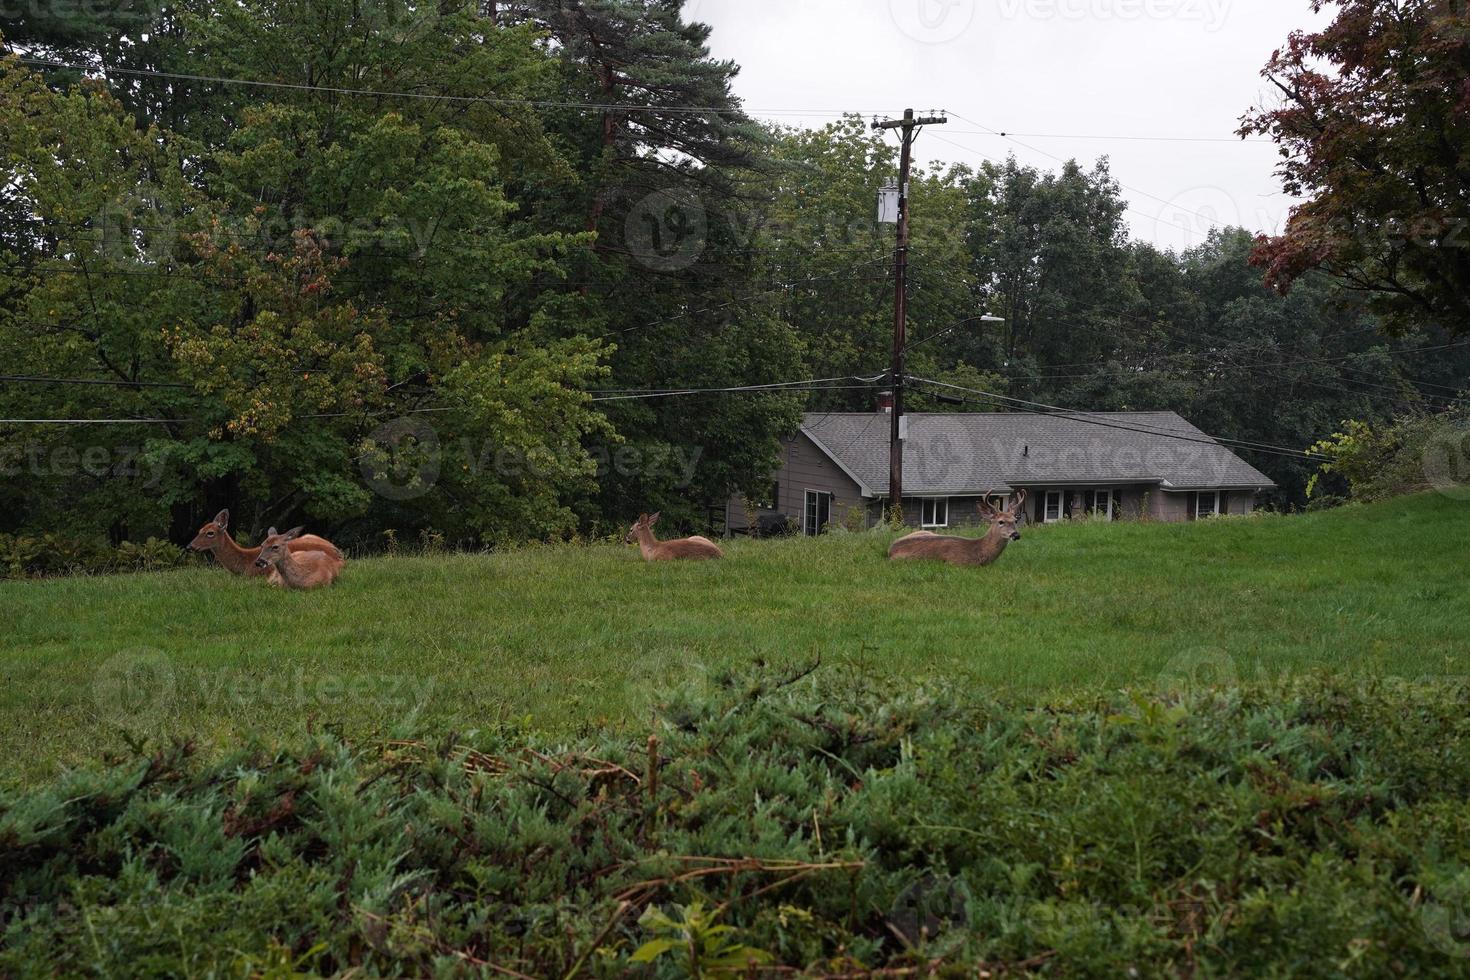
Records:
x=1020, y=500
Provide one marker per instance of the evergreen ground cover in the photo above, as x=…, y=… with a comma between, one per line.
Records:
x=784, y=820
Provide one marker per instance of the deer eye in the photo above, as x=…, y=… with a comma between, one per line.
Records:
x=211, y=534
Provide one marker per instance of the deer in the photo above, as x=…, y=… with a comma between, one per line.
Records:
x=214, y=537
x=297, y=569
x=965, y=551
x=684, y=549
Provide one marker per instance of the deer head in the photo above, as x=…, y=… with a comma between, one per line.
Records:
x=274, y=546
x=210, y=534
x=645, y=522
x=1001, y=518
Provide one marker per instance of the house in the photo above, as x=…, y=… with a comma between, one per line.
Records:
x=1113, y=465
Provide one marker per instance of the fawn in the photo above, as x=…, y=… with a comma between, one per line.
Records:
x=965, y=551
x=298, y=569
x=687, y=549
x=214, y=537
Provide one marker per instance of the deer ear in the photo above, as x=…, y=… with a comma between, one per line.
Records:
x=293, y=534
x=223, y=519
x=653, y=518
x=272, y=533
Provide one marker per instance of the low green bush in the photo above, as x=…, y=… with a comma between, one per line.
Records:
x=25, y=556
x=1411, y=454
x=814, y=824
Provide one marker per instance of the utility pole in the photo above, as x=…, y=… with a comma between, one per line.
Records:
x=910, y=127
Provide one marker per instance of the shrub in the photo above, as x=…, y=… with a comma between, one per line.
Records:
x=1412, y=454
x=22, y=556
x=818, y=824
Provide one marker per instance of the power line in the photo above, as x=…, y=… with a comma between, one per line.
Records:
x=1040, y=408
x=1228, y=348
x=110, y=382
x=779, y=286
x=1005, y=134
x=775, y=388
x=1130, y=210
x=93, y=421
x=1034, y=149
x=430, y=96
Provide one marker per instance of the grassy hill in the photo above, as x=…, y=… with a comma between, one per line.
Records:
x=563, y=638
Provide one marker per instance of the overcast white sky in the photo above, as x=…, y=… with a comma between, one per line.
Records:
x=1077, y=68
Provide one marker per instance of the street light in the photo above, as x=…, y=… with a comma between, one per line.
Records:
x=982, y=318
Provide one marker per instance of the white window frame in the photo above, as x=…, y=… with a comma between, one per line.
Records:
x=805, y=509
x=1199, y=499
x=1046, y=517
x=1108, y=511
x=933, y=502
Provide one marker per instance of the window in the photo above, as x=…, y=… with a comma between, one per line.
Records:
x=817, y=514
x=1053, y=507
x=1206, y=504
x=936, y=512
x=774, y=500
x=1104, y=503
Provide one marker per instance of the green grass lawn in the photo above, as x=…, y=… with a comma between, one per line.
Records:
x=573, y=637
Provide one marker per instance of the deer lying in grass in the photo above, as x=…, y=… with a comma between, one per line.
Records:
x=215, y=537
x=965, y=551
x=685, y=549
x=298, y=569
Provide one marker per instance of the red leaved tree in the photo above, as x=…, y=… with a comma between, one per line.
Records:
x=1373, y=122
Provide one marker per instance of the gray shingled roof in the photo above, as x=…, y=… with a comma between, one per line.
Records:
x=952, y=455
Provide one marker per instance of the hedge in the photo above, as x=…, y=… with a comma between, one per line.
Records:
x=797, y=823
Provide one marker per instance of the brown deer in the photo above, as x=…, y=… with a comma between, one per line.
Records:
x=684, y=549
x=214, y=537
x=965, y=551
x=298, y=569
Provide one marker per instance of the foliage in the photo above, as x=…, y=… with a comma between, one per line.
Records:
x=1372, y=124
x=706, y=947
x=23, y=556
x=433, y=281
x=1411, y=454
x=817, y=822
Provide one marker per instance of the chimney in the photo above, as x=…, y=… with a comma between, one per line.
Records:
x=885, y=402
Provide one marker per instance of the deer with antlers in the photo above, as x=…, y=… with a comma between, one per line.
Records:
x=297, y=569
x=684, y=549
x=966, y=551
x=214, y=537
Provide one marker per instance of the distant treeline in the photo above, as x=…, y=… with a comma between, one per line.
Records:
x=428, y=277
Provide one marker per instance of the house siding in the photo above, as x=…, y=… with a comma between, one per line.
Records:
x=804, y=467
x=963, y=511
x=1169, y=507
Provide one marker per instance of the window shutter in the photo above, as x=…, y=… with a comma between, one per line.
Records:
x=1194, y=506
x=1117, y=505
